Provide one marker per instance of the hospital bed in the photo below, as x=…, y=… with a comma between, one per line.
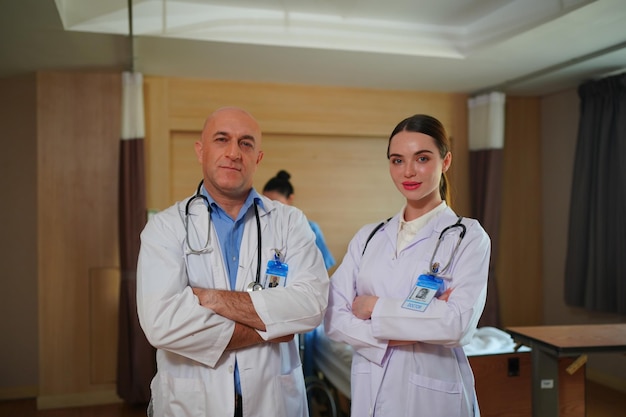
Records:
x=327, y=366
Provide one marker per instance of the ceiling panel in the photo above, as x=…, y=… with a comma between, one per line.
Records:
x=434, y=45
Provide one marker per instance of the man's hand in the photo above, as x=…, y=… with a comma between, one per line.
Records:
x=245, y=336
x=445, y=295
x=234, y=305
x=401, y=342
x=205, y=296
x=282, y=339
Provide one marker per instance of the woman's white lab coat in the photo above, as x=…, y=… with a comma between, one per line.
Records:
x=195, y=373
x=429, y=378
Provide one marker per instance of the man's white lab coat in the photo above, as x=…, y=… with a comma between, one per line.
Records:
x=195, y=374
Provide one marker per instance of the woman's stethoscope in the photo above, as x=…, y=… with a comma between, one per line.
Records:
x=253, y=286
x=434, y=266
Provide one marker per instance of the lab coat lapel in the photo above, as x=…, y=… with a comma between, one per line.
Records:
x=434, y=227
x=390, y=231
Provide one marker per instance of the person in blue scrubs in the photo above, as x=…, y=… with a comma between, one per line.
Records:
x=279, y=188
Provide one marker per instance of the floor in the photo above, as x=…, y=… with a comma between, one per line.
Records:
x=27, y=408
x=604, y=402
x=601, y=402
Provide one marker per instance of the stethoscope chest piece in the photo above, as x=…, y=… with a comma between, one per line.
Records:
x=254, y=286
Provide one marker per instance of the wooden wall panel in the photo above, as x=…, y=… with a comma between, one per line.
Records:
x=341, y=183
x=181, y=105
x=78, y=150
x=332, y=140
x=519, y=267
x=104, y=292
x=301, y=109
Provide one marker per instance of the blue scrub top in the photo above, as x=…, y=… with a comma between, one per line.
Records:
x=329, y=261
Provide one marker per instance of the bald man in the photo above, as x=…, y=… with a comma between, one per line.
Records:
x=225, y=337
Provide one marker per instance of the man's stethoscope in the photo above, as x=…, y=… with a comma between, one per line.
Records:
x=434, y=266
x=253, y=286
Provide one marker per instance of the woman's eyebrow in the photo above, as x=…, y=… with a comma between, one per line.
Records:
x=415, y=154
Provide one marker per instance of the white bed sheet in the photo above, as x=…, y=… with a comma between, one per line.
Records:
x=334, y=359
x=491, y=341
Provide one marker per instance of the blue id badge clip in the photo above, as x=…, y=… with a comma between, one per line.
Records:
x=276, y=273
x=427, y=287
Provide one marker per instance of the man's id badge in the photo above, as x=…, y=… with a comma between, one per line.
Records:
x=425, y=289
x=276, y=273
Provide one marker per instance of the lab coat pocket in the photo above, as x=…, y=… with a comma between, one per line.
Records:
x=289, y=394
x=182, y=397
x=435, y=397
x=360, y=366
x=360, y=379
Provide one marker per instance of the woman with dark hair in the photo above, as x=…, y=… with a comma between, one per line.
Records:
x=409, y=292
x=279, y=188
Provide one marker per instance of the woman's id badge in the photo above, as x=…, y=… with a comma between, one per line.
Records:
x=425, y=289
x=276, y=273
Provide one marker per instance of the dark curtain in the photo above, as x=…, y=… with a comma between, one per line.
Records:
x=136, y=357
x=486, y=141
x=486, y=192
x=595, y=270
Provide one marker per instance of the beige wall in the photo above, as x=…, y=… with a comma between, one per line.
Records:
x=63, y=168
x=332, y=140
x=78, y=130
x=65, y=146
x=518, y=266
x=59, y=251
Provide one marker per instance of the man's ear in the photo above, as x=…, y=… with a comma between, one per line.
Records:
x=198, y=148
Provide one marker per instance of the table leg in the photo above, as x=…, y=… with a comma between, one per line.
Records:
x=545, y=379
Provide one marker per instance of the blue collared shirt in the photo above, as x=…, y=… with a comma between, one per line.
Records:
x=230, y=233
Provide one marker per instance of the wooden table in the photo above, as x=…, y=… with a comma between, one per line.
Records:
x=549, y=343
